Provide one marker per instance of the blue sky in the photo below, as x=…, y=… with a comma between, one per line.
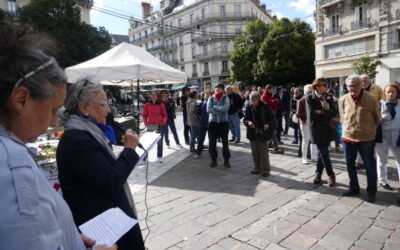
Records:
x=288, y=8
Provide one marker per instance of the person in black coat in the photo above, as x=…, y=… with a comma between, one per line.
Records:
x=260, y=122
x=92, y=178
x=186, y=127
x=321, y=113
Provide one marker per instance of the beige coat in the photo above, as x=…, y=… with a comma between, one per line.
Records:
x=192, y=117
x=359, y=120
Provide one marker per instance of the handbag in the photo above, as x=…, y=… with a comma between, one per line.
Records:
x=295, y=119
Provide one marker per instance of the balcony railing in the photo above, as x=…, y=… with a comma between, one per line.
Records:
x=145, y=37
x=194, y=75
x=172, y=46
x=225, y=72
x=211, y=37
x=213, y=17
x=156, y=48
x=327, y=3
x=214, y=54
x=334, y=31
x=361, y=24
x=171, y=62
x=206, y=73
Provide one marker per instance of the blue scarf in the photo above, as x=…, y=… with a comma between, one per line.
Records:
x=107, y=130
x=369, y=87
x=390, y=105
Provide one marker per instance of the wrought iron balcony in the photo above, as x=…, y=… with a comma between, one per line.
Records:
x=172, y=46
x=194, y=75
x=334, y=31
x=225, y=72
x=396, y=45
x=361, y=24
x=156, y=48
x=217, y=54
x=206, y=73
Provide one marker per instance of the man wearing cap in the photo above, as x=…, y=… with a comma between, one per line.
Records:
x=217, y=107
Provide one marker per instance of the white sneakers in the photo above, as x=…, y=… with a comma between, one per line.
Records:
x=159, y=159
x=179, y=145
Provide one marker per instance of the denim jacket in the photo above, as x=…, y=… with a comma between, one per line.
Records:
x=202, y=114
x=218, y=110
x=33, y=216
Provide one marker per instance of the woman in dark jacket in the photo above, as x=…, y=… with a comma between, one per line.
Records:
x=321, y=112
x=260, y=123
x=298, y=94
x=92, y=178
x=170, y=108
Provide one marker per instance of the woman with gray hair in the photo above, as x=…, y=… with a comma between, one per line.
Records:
x=32, y=89
x=92, y=178
x=260, y=123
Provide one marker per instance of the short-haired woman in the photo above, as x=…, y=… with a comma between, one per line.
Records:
x=92, y=178
x=261, y=124
x=390, y=110
x=320, y=110
x=155, y=119
x=32, y=89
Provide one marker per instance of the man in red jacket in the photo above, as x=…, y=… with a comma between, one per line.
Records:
x=273, y=103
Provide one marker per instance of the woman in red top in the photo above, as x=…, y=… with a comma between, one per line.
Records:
x=155, y=119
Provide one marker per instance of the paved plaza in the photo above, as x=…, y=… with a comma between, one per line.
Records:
x=193, y=206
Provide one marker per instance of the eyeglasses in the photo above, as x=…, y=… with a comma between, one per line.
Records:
x=103, y=104
x=38, y=69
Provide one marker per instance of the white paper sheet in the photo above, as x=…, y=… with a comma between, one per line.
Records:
x=108, y=227
x=148, y=141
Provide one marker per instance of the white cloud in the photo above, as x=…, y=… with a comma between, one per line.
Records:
x=305, y=6
x=278, y=14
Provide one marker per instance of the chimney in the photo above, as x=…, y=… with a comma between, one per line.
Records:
x=146, y=9
x=264, y=6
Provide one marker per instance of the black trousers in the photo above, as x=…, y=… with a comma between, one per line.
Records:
x=215, y=131
x=186, y=131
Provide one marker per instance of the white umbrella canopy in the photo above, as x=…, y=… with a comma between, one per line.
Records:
x=124, y=62
x=128, y=83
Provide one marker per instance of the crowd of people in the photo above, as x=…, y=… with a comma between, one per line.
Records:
x=33, y=88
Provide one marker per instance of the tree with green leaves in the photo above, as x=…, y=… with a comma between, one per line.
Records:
x=60, y=19
x=244, y=54
x=366, y=65
x=287, y=53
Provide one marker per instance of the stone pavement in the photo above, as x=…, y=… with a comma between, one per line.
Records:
x=192, y=206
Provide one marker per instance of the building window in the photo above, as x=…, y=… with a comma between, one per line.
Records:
x=349, y=48
x=361, y=11
x=223, y=29
x=152, y=44
x=237, y=10
x=152, y=29
x=194, y=52
x=238, y=30
x=335, y=21
x=147, y=46
x=205, y=50
x=203, y=14
x=224, y=66
x=183, y=68
x=180, y=39
x=145, y=34
x=12, y=7
x=180, y=22
x=224, y=48
x=181, y=53
x=194, y=69
x=206, y=70
x=222, y=10
x=398, y=14
x=191, y=18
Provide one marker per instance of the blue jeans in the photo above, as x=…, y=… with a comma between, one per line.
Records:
x=171, y=125
x=200, y=142
x=366, y=150
x=234, y=125
x=162, y=130
x=297, y=133
x=324, y=161
x=195, y=132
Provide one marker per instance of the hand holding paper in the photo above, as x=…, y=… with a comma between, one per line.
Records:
x=108, y=227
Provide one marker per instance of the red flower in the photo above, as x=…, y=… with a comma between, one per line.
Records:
x=56, y=186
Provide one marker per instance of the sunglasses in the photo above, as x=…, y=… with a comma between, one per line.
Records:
x=35, y=71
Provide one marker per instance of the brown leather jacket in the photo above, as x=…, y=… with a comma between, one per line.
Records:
x=301, y=112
